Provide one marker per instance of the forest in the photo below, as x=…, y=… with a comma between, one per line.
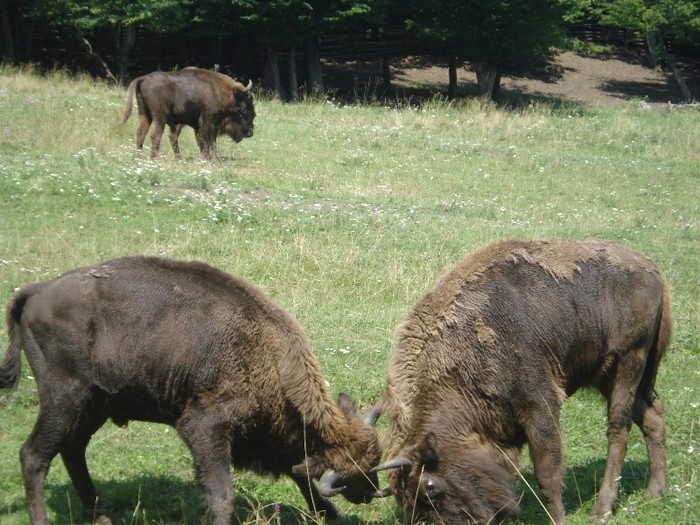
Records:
x=285, y=42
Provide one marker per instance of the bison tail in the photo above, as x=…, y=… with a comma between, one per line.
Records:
x=12, y=364
x=661, y=342
x=129, y=99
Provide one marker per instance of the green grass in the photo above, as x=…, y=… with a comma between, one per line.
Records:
x=346, y=216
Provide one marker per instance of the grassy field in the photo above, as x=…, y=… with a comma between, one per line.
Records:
x=346, y=216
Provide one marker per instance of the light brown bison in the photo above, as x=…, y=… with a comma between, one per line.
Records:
x=210, y=102
x=184, y=344
x=485, y=360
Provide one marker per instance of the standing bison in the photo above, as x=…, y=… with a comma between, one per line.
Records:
x=187, y=345
x=485, y=360
x=210, y=102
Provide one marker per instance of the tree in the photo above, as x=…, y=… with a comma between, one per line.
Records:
x=488, y=34
x=286, y=25
x=16, y=29
x=279, y=26
x=121, y=17
x=216, y=22
x=655, y=20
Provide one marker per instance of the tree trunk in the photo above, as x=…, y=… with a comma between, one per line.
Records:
x=496, y=92
x=23, y=51
x=488, y=79
x=313, y=65
x=386, y=74
x=95, y=56
x=8, y=45
x=273, y=69
x=656, y=46
x=452, y=75
x=680, y=81
x=293, y=81
x=652, y=49
x=125, y=40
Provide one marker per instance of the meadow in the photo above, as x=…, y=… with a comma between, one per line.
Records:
x=346, y=216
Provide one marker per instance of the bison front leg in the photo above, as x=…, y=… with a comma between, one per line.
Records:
x=205, y=134
x=209, y=442
x=544, y=442
x=316, y=502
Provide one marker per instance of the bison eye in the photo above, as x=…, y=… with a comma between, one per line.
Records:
x=431, y=488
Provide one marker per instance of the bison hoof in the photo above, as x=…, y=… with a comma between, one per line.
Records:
x=99, y=516
x=597, y=518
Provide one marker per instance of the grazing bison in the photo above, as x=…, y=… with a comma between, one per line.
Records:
x=485, y=360
x=187, y=345
x=210, y=102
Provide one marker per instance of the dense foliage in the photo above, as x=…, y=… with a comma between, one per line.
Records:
x=485, y=34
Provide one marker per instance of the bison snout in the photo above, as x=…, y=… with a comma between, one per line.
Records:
x=357, y=489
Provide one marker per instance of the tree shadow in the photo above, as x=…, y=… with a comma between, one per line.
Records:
x=361, y=81
x=514, y=99
x=165, y=499
x=648, y=91
x=581, y=486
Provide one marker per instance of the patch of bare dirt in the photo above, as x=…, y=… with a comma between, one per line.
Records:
x=569, y=77
x=600, y=81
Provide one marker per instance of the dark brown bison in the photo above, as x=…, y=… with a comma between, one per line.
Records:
x=187, y=345
x=210, y=102
x=485, y=360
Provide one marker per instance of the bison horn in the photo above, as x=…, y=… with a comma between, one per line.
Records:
x=371, y=415
x=325, y=484
x=383, y=493
x=250, y=85
x=400, y=462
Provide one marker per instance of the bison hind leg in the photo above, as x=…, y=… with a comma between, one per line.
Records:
x=56, y=430
x=649, y=417
x=142, y=130
x=175, y=130
x=620, y=389
x=156, y=136
x=73, y=456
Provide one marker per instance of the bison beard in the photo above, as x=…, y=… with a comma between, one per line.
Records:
x=485, y=360
x=186, y=345
x=210, y=102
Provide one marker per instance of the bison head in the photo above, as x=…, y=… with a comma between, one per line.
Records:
x=452, y=483
x=347, y=468
x=238, y=120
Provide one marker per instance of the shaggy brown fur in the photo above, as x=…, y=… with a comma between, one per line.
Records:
x=210, y=102
x=184, y=344
x=486, y=358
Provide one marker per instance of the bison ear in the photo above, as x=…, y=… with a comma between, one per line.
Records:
x=346, y=404
x=427, y=449
x=311, y=467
